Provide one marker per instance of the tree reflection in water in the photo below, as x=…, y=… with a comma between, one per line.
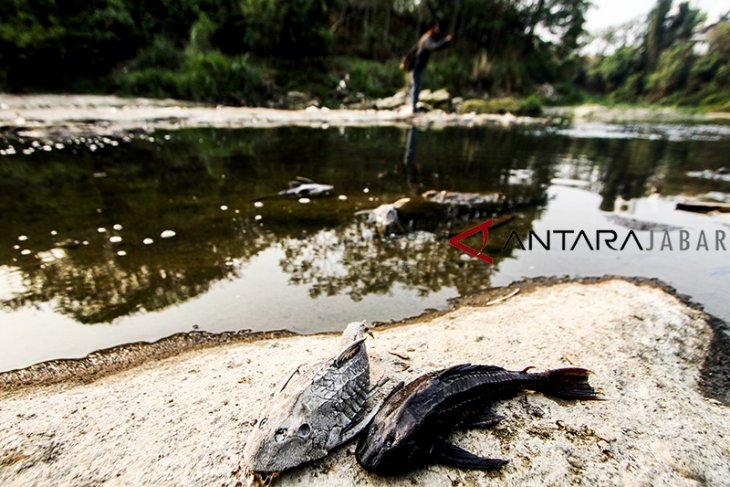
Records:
x=202, y=184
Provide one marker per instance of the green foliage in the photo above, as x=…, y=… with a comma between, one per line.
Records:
x=531, y=105
x=668, y=67
x=162, y=53
x=209, y=76
x=372, y=78
x=611, y=72
x=672, y=71
x=245, y=51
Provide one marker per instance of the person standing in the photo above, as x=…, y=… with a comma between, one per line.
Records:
x=426, y=45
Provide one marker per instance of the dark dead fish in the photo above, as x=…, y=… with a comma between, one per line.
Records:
x=315, y=411
x=410, y=428
x=302, y=187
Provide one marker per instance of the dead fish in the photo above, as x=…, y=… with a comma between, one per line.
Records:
x=385, y=215
x=410, y=428
x=301, y=187
x=315, y=411
x=457, y=198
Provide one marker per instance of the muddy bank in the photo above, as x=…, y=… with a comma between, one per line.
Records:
x=184, y=420
x=628, y=114
x=68, y=115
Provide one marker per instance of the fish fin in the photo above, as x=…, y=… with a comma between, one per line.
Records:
x=364, y=212
x=296, y=371
x=348, y=352
x=303, y=180
x=401, y=202
x=392, y=392
x=465, y=368
x=483, y=419
x=294, y=184
x=567, y=383
x=453, y=456
x=353, y=429
x=381, y=383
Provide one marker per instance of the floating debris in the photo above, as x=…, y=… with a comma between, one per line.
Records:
x=117, y=227
x=115, y=239
x=121, y=253
x=167, y=234
x=22, y=238
x=258, y=204
x=224, y=208
x=148, y=241
x=101, y=230
x=257, y=217
x=304, y=200
x=342, y=197
x=302, y=187
x=721, y=174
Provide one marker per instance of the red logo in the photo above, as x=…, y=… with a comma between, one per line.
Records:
x=484, y=229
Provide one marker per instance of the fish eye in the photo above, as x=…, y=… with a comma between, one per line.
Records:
x=279, y=435
x=262, y=423
x=304, y=431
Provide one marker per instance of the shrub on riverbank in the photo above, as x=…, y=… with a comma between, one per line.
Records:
x=208, y=76
x=530, y=106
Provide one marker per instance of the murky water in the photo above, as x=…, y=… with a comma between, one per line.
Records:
x=104, y=241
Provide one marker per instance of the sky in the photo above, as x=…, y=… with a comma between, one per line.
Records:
x=607, y=13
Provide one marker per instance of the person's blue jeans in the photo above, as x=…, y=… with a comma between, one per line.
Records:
x=416, y=87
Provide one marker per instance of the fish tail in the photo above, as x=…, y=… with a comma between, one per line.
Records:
x=567, y=383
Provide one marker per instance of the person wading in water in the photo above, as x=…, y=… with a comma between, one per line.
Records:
x=417, y=58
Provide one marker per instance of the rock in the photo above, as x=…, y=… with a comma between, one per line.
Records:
x=437, y=99
x=392, y=102
x=645, y=347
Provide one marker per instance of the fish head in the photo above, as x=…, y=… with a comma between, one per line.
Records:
x=384, y=215
x=390, y=446
x=280, y=442
x=355, y=331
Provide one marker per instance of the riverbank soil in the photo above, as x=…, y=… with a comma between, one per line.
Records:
x=184, y=420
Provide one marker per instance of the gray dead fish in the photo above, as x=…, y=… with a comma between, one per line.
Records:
x=301, y=187
x=315, y=411
x=457, y=198
x=385, y=215
x=411, y=426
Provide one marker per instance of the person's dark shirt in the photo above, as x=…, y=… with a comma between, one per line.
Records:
x=426, y=45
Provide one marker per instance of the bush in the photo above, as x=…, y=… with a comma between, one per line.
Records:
x=209, y=76
x=372, y=78
x=162, y=53
x=530, y=106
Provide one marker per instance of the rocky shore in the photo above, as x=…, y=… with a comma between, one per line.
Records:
x=183, y=420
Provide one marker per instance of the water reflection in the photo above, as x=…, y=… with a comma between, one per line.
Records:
x=202, y=184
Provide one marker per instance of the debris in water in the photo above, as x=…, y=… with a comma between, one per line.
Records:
x=167, y=234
